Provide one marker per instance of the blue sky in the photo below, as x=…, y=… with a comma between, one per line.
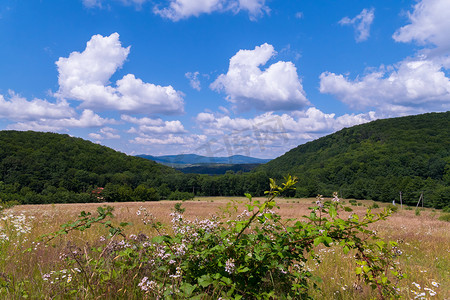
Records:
x=218, y=77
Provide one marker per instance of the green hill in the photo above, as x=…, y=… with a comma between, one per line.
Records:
x=37, y=167
x=376, y=161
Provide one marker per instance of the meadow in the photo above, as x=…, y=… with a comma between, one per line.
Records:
x=31, y=268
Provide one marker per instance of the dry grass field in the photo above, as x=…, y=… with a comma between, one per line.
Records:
x=424, y=242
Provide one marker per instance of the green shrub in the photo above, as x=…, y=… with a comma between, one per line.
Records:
x=375, y=205
x=177, y=195
x=444, y=217
x=392, y=207
x=8, y=204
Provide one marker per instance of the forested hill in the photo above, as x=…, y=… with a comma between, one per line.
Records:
x=41, y=167
x=376, y=161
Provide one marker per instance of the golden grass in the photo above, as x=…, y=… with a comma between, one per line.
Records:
x=425, y=241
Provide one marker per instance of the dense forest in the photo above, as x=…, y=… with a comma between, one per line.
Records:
x=377, y=160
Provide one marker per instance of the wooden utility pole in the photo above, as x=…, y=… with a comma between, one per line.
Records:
x=420, y=198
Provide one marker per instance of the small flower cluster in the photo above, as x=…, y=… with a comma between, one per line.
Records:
x=147, y=218
x=423, y=295
x=319, y=201
x=62, y=276
x=229, y=266
x=147, y=285
x=15, y=224
x=335, y=197
x=177, y=273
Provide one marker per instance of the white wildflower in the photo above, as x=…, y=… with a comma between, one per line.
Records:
x=229, y=266
x=435, y=284
x=430, y=291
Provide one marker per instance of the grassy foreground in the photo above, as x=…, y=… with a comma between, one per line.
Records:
x=424, y=242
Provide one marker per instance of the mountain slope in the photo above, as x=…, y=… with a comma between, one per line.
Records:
x=376, y=160
x=40, y=162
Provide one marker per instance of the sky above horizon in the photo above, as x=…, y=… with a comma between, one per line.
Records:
x=218, y=77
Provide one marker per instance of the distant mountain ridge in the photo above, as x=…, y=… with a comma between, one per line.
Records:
x=194, y=159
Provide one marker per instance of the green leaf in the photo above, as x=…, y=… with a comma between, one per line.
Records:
x=346, y=249
x=205, y=280
x=318, y=240
x=332, y=212
x=243, y=269
x=187, y=289
x=226, y=280
x=380, y=244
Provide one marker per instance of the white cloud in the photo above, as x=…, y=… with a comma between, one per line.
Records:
x=186, y=141
x=105, y=133
x=87, y=119
x=183, y=9
x=84, y=77
x=430, y=23
x=95, y=136
x=168, y=127
x=92, y=3
x=255, y=8
x=99, y=3
x=17, y=108
x=299, y=15
x=193, y=80
x=247, y=86
x=411, y=86
x=142, y=121
x=154, y=126
x=95, y=65
x=310, y=121
x=205, y=117
x=361, y=23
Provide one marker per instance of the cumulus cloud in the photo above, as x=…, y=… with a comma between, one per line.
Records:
x=247, y=86
x=308, y=121
x=105, y=133
x=167, y=127
x=361, y=23
x=183, y=9
x=193, y=80
x=142, y=121
x=430, y=22
x=17, y=108
x=170, y=139
x=411, y=86
x=154, y=126
x=85, y=77
x=87, y=119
